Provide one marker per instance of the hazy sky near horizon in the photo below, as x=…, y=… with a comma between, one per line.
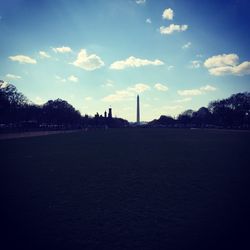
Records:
x=175, y=54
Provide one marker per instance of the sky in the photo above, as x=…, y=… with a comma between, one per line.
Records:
x=96, y=54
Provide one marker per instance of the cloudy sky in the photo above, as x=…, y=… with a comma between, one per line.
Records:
x=176, y=54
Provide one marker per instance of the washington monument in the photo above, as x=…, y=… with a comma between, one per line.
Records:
x=138, y=110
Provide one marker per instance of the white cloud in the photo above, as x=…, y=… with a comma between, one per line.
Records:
x=189, y=92
x=88, y=98
x=140, y=1
x=170, y=67
x=73, y=78
x=59, y=78
x=133, y=62
x=187, y=99
x=127, y=94
x=227, y=64
x=195, y=64
x=239, y=70
x=43, y=54
x=108, y=84
x=187, y=45
x=22, y=59
x=70, y=78
x=62, y=49
x=208, y=88
x=161, y=87
x=168, y=14
x=88, y=62
x=172, y=28
x=242, y=69
x=222, y=60
x=13, y=77
x=139, y=88
x=118, y=96
x=148, y=20
x=195, y=92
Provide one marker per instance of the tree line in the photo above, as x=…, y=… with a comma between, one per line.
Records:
x=19, y=113
x=232, y=112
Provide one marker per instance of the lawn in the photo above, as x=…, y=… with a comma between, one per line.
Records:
x=127, y=189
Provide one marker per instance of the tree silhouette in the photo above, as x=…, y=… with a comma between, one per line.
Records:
x=163, y=121
x=231, y=112
x=202, y=117
x=60, y=112
x=16, y=111
x=186, y=117
x=12, y=103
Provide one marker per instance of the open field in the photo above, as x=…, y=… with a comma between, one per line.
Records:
x=127, y=189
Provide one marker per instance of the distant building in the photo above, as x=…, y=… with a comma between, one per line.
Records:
x=110, y=113
x=105, y=114
x=138, y=110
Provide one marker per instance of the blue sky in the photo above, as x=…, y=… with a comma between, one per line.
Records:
x=176, y=54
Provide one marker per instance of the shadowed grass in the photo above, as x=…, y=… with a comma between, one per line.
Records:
x=127, y=189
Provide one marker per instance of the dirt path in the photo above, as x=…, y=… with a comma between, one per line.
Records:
x=33, y=133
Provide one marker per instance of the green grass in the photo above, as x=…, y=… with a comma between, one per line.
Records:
x=126, y=189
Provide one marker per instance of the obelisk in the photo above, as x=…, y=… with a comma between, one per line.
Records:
x=138, y=110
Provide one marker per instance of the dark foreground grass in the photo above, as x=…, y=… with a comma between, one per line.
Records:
x=127, y=189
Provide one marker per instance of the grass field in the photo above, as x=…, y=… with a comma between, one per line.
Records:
x=127, y=189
